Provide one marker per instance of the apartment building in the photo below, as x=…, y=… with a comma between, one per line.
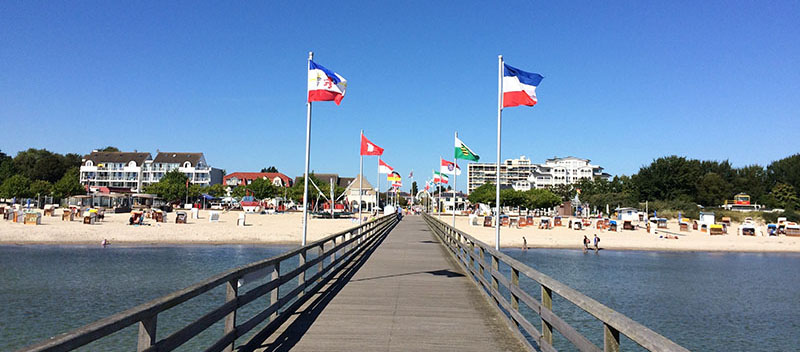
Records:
x=521, y=174
x=132, y=171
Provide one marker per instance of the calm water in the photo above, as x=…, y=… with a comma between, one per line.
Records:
x=703, y=301
x=47, y=290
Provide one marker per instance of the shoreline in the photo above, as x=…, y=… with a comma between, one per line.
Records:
x=286, y=230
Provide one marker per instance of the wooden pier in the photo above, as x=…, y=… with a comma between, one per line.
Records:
x=388, y=285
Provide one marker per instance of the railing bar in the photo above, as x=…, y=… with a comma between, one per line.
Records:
x=180, y=337
x=638, y=333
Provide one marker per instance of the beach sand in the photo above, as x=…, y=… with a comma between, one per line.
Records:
x=563, y=237
x=287, y=228
x=260, y=229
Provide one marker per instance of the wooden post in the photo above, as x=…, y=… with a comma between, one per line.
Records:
x=483, y=261
x=321, y=264
x=301, y=278
x=547, y=302
x=471, y=252
x=230, y=319
x=275, y=295
x=495, y=267
x=333, y=255
x=610, y=339
x=514, y=298
x=147, y=333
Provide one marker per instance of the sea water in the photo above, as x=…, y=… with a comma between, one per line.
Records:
x=703, y=301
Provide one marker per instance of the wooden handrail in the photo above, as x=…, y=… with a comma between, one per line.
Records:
x=348, y=242
x=463, y=247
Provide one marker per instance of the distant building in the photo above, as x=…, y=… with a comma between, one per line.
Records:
x=369, y=199
x=337, y=180
x=521, y=174
x=246, y=178
x=132, y=171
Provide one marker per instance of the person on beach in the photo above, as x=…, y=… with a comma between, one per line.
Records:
x=524, y=244
x=596, y=243
x=585, y=243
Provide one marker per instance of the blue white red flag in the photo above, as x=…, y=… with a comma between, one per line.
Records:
x=324, y=84
x=519, y=87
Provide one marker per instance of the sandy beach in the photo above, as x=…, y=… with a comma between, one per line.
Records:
x=260, y=229
x=563, y=237
x=286, y=229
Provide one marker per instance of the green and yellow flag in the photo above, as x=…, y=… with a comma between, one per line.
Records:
x=463, y=152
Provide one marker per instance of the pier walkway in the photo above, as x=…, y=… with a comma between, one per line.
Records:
x=408, y=295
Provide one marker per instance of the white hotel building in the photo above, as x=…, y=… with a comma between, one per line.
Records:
x=133, y=170
x=521, y=174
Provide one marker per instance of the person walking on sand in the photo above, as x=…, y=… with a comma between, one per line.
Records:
x=585, y=243
x=524, y=244
x=596, y=243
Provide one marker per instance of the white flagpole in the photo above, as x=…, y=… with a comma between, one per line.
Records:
x=360, y=177
x=455, y=183
x=378, y=194
x=497, y=177
x=308, y=154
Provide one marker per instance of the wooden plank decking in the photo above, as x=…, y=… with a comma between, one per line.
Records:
x=407, y=295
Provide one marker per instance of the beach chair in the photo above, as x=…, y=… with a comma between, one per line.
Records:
x=67, y=215
x=684, y=226
x=577, y=225
x=529, y=220
x=715, y=229
x=726, y=220
x=32, y=219
x=504, y=221
x=487, y=221
x=599, y=225
x=514, y=222
x=627, y=225
x=557, y=221
x=180, y=217
x=89, y=218
x=612, y=226
x=522, y=222
x=793, y=230
x=213, y=216
x=662, y=223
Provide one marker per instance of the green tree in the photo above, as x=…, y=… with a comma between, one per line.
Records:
x=270, y=169
x=68, y=185
x=414, y=189
x=485, y=194
x=540, y=199
x=6, y=167
x=16, y=186
x=171, y=187
x=786, y=196
x=668, y=178
x=751, y=180
x=40, y=187
x=217, y=190
x=712, y=190
x=109, y=149
x=786, y=171
x=259, y=189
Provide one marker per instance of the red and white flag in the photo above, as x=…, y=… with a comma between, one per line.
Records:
x=450, y=168
x=369, y=148
x=384, y=168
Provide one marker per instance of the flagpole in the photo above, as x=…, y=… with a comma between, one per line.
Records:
x=455, y=183
x=378, y=194
x=360, y=177
x=308, y=154
x=497, y=176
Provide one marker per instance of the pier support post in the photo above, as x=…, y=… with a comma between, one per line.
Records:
x=610, y=339
x=275, y=294
x=232, y=291
x=547, y=302
x=147, y=333
x=301, y=278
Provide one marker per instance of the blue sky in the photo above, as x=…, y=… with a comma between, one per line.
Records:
x=625, y=81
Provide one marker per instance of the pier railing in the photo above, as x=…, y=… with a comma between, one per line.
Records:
x=332, y=253
x=482, y=262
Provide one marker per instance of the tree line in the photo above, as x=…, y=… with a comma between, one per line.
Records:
x=679, y=183
x=39, y=172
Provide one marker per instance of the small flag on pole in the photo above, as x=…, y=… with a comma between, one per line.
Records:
x=439, y=177
x=324, y=84
x=519, y=87
x=449, y=167
x=384, y=168
x=463, y=152
x=394, y=176
x=411, y=174
x=369, y=148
